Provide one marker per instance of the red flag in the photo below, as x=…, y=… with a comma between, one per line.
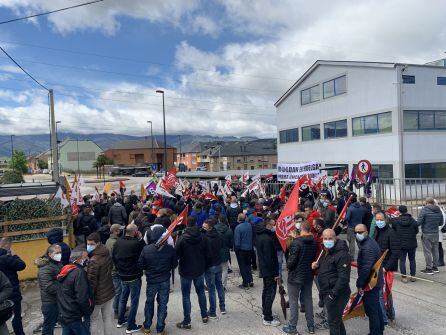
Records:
x=285, y=223
x=209, y=196
x=180, y=220
x=121, y=184
x=269, y=177
x=283, y=193
x=393, y=212
x=345, y=176
x=169, y=180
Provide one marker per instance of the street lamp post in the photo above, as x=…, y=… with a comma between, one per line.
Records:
x=164, y=129
x=151, y=137
x=179, y=137
x=12, y=146
x=57, y=141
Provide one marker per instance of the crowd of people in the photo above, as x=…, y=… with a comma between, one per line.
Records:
x=96, y=286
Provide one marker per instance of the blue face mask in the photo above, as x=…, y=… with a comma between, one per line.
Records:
x=380, y=224
x=90, y=248
x=359, y=237
x=329, y=244
x=325, y=204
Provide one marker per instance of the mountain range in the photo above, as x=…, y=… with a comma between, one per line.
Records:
x=34, y=144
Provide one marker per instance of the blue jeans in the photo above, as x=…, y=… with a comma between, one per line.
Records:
x=214, y=281
x=132, y=289
x=280, y=259
x=162, y=289
x=75, y=328
x=412, y=263
x=185, y=292
x=118, y=289
x=373, y=310
x=50, y=313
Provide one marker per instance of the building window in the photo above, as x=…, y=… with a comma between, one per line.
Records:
x=311, y=133
x=252, y=167
x=372, y=124
x=426, y=170
x=339, y=168
x=335, y=87
x=424, y=120
x=289, y=135
x=310, y=95
x=441, y=80
x=380, y=170
x=335, y=129
x=408, y=79
x=239, y=160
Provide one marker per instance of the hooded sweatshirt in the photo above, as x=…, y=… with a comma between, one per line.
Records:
x=191, y=252
x=214, y=245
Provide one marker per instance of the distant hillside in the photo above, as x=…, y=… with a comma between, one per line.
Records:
x=33, y=144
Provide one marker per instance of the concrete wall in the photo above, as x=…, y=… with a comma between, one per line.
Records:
x=71, y=148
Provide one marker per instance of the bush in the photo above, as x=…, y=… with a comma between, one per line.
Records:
x=12, y=177
x=18, y=162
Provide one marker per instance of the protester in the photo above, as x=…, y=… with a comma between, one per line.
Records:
x=327, y=213
x=10, y=264
x=406, y=227
x=387, y=240
x=5, y=294
x=300, y=278
x=355, y=215
x=199, y=214
x=104, y=230
x=74, y=298
x=191, y=252
x=368, y=215
x=243, y=244
x=117, y=214
x=375, y=209
x=55, y=236
x=326, y=192
x=126, y=252
x=99, y=274
x=49, y=266
x=158, y=260
x=225, y=232
x=84, y=226
x=368, y=255
x=232, y=212
x=333, y=277
x=213, y=273
x=430, y=219
x=268, y=269
x=115, y=233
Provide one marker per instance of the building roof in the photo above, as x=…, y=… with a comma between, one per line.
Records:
x=436, y=64
x=266, y=146
x=139, y=144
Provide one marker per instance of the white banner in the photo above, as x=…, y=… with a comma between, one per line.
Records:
x=291, y=172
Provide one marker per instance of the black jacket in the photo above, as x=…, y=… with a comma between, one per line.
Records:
x=158, y=262
x=232, y=215
x=104, y=233
x=84, y=225
x=9, y=265
x=117, y=214
x=388, y=240
x=334, y=270
x=406, y=227
x=266, y=253
x=47, y=278
x=302, y=254
x=5, y=288
x=73, y=294
x=368, y=255
x=214, y=244
x=191, y=252
x=228, y=241
x=55, y=236
x=126, y=252
x=430, y=219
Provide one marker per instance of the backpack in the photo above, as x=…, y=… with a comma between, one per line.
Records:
x=5, y=311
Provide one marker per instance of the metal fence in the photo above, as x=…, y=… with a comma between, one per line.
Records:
x=389, y=192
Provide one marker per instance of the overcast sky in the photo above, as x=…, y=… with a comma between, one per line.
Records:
x=222, y=64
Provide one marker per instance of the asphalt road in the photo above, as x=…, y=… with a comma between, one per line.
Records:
x=420, y=309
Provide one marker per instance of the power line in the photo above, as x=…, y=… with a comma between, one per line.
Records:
x=51, y=12
x=21, y=68
x=133, y=60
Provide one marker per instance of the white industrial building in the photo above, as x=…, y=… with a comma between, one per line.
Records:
x=392, y=114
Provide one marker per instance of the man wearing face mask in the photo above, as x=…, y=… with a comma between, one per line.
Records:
x=387, y=239
x=49, y=266
x=334, y=269
x=369, y=253
x=268, y=268
x=99, y=274
x=328, y=212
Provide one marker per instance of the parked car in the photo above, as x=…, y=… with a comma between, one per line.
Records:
x=202, y=168
x=45, y=171
x=160, y=173
x=2, y=172
x=140, y=174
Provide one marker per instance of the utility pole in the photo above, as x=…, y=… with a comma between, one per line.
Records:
x=179, y=137
x=54, y=151
x=78, y=164
x=165, y=138
x=151, y=137
x=12, y=146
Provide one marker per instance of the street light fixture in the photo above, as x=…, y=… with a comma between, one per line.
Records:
x=151, y=137
x=164, y=129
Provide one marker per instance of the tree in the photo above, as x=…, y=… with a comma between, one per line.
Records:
x=102, y=160
x=18, y=162
x=12, y=177
x=42, y=164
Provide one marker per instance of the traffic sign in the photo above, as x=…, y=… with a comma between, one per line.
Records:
x=364, y=167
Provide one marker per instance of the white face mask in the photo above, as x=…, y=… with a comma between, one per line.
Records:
x=57, y=257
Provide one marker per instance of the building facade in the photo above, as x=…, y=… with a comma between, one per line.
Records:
x=392, y=114
x=141, y=153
